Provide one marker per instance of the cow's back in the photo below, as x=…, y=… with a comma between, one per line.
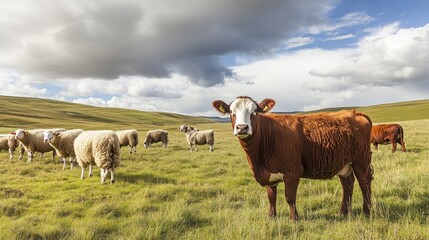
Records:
x=332, y=140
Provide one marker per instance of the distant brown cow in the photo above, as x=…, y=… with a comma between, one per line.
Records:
x=388, y=133
x=285, y=148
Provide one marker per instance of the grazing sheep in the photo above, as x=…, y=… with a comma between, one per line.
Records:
x=128, y=137
x=99, y=148
x=155, y=136
x=62, y=142
x=8, y=142
x=32, y=141
x=196, y=137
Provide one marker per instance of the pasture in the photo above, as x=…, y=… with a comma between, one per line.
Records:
x=174, y=194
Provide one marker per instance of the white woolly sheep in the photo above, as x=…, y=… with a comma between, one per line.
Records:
x=62, y=142
x=99, y=148
x=128, y=137
x=9, y=143
x=155, y=136
x=32, y=141
x=196, y=137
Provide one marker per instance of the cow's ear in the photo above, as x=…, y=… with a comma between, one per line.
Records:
x=221, y=106
x=266, y=105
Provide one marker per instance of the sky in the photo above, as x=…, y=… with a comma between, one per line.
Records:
x=180, y=55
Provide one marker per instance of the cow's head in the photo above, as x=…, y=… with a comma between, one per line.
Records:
x=242, y=111
x=19, y=133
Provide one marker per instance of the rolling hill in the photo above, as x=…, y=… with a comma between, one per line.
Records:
x=390, y=112
x=21, y=112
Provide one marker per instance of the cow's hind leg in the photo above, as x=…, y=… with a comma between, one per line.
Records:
x=347, y=184
x=364, y=177
x=393, y=146
x=402, y=145
x=291, y=187
x=272, y=197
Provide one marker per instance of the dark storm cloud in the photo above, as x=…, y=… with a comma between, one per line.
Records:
x=153, y=38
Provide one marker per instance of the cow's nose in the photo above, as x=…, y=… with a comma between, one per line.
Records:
x=242, y=128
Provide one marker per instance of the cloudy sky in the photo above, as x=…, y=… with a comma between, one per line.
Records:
x=180, y=55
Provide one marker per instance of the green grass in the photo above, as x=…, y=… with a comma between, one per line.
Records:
x=174, y=194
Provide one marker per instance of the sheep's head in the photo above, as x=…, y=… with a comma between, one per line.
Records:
x=47, y=136
x=185, y=129
x=20, y=133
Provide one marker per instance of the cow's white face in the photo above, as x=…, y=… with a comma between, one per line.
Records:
x=241, y=109
x=48, y=136
x=19, y=134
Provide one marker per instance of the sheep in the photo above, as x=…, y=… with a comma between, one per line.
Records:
x=128, y=137
x=62, y=142
x=154, y=136
x=8, y=142
x=99, y=148
x=197, y=137
x=32, y=141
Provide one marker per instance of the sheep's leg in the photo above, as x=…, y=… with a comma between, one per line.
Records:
x=190, y=147
x=30, y=156
x=90, y=170
x=131, y=149
x=112, y=175
x=64, y=163
x=21, y=152
x=211, y=148
x=196, y=149
x=53, y=155
x=10, y=154
x=71, y=163
x=82, y=175
x=103, y=174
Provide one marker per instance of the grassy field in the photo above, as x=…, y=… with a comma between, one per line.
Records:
x=174, y=194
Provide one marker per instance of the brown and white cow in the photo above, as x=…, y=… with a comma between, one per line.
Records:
x=285, y=148
x=388, y=133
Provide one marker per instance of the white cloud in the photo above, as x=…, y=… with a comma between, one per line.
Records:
x=348, y=20
x=342, y=37
x=387, y=57
x=106, y=39
x=298, y=42
x=12, y=84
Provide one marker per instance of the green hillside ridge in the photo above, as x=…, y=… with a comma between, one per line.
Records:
x=389, y=112
x=21, y=112
x=27, y=113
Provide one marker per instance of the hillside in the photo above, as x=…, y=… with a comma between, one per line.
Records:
x=19, y=112
x=390, y=112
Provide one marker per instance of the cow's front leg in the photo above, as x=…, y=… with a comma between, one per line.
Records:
x=291, y=187
x=272, y=197
x=393, y=146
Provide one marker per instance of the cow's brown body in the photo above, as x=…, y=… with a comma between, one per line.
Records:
x=388, y=133
x=317, y=146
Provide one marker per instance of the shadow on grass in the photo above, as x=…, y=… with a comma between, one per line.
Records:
x=144, y=178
